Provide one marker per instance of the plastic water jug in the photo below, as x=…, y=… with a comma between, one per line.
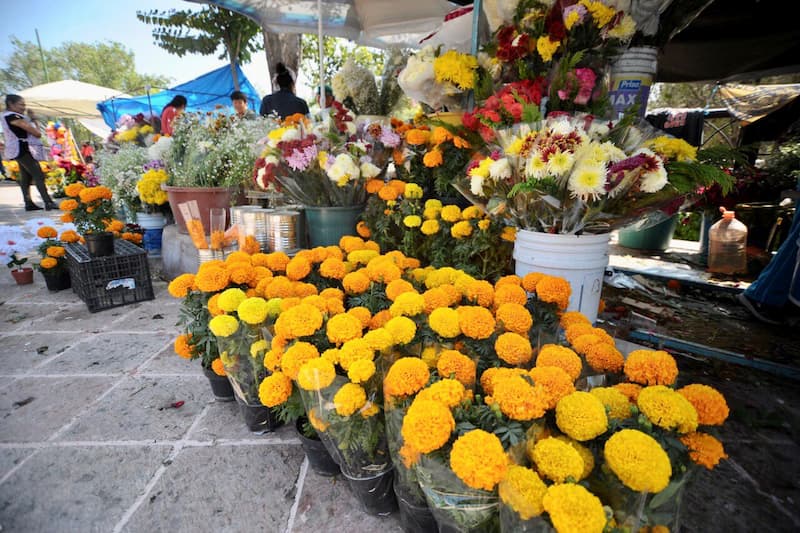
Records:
x=727, y=243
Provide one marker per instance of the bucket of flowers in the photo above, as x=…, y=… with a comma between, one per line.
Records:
x=52, y=264
x=92, y=211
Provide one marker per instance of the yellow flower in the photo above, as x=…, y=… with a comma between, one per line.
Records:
x=451, y=213
x=560, y=356
x=253, y=310
x=667, y=408
x=275, y=389
x=573, y=508
x=316, y=422
x=342, y=328
x=406, y=376
x=704, y=449
x=581, y=416
x=555, y=381
x=557, y=460
x=258, y=347
x=618, y=405
x=517, y=398
x=522, y=489
x=476, y=322
x=585, y=453
x=230, y=299
x=412, y=221
x=478, y=459
x=316, y=374
x=299, y=321
x=546, y=47
x=402, y=329
x=513, y=348
x=361, y=370
x=710, y=404
x=651, y=367
x=444, y=321
x=456, y=68
x=450, y=392
x=378, y=339
x=408, y=304
x=412, y=190
x=453, y=363
x=354, y=350
x=349, y=399
x=427, y=425
x=223, y=325
x=461, y=229
x=296, y=356
x=397, y=287
x=638, y=461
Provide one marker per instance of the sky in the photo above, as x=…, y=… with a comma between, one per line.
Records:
x=92, y=21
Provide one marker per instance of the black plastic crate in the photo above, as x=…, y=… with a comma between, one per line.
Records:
x=111, y=281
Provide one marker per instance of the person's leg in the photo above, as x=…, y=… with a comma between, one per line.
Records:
x=33, y=169
x=24, y=181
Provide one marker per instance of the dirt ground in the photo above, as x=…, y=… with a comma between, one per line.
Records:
x=758, y=487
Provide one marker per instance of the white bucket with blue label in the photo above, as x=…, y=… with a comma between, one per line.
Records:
x=631, y=78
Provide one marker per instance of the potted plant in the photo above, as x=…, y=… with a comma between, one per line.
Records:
x=92, y=212
x=22, y=275
x=53, y=264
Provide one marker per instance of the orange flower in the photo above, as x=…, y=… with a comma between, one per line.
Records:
x=651, y=367
x=183, y=347
x=455, y=363
x=460, y=142
x=562, y=357
x=433, y=158
x=555, y=290
x=513, y=348
x=440, y=135
x=218, y=367
x=46, y=232
x=704, y=449
x=417, y=137
x=710, y=404
x=362, y=230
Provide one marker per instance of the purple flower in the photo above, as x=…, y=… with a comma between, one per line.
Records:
x=155, y=164
x=301, y=159
x=389, y=138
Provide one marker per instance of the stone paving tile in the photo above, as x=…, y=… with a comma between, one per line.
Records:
x=78, y=318
x=168, y=362
x=243, y=488
x=158, y=315
x=326, y=504
x=59, y=488
x=106, y=353
x=140, y=409
x=29, y=316
x=22, y=351
x=11, y=457
x=222, y=420
x=49, y=404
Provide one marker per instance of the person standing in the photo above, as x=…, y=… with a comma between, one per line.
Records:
x=22, y=143
x=239, y=102
x=175, y=107
x=283, y=102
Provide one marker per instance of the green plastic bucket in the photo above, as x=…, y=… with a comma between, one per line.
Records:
x=655, y=237
x=326, y=225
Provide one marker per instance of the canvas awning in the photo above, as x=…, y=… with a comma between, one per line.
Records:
x=68, y=99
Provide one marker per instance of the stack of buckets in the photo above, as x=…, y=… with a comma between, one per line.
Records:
x=631, y=78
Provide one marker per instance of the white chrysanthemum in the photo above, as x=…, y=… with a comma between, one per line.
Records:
x=587, y=181
x=500, y=169
x=560, y=163
x=654, y=181
x=368, y=170
x=476, y=185
x=612, y=153
x=290, y=134
x=344, y=169
x=624, y=29
x=271, y=160
x=536, y=167
x=598, y=129
x=590, y=153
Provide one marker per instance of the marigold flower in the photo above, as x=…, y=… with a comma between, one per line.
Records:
x=298, y=268
x=614, y=400
x=316, y=421
x=554, y=290
x=212, y=306
x=217, y=367
x=581, y=415
x=299, y=321
x=557, y=460
x=361, y=370
x=631, y=390
x=342, y=328
x=667, y=408
x=603, y=357
x=555, y=381
x=316, y=374
x=277, y=261
x=402, y=329
x=70, y=236
x=573, y=508
x=275, y=389
x=476, y=322
x=417, y=136
x=453, y=363
x=183, y=347
x=378, y=339
x=493, y=375
x=478, y=459
x=461, y=229
x=513, y=348
x=354, y=350
x=380, y=319
x=522, y=490
x=445, y=322
x=560, y=356
x=355, y=283
x=349, y=399
x=296, y=356
x=46, y=232
x=638, y=461
x=704, y=449
x=223, y=325
x=514, y=317
x=253, y=310
x=450, y=392
x=518, y=399
x=451, y=213
x=570, y=318
x=406, y=376
x=710, y=404
x=362, y=229
x=651, y=367
x=408, y=304
x=230, y=299
x=427, y=425
x=48, y=263
x=212, y=279
x=508, y=293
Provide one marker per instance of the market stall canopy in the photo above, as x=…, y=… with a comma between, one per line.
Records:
x=378, y=23
x=68, y=99
x=204, y=93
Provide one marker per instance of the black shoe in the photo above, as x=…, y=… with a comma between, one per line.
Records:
x=32, y=207
x=757, y=311
x=50, y=206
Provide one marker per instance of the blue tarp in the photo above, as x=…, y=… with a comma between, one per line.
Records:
x=203, y=94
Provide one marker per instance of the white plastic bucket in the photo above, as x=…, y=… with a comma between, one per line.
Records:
x=631, y=78
x=580, y=259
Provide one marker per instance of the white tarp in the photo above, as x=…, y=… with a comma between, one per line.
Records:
x=68, y=99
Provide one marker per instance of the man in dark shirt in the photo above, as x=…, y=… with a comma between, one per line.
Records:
x=283, y=102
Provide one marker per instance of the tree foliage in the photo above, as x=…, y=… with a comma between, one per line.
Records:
x=108, y=64
x=337, y=51
x=182, y=32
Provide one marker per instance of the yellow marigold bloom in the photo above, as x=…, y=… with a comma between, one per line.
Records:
x=218, y=367
x=430, y=227
x=183, y=347
x=212, y=279
x=471, y=212
x=433, y=203
x=603, y=357
x=398, y=287
x=378, y=339
x=451, y=213
x=449, y=392
x=430, y=354
x=478, y=459
x=585, y=453
x=295, y=356
x=316, y=374
x=369, y=409
x=557, y=460
x=444, y=321
x=299, y=321
x=631, y=390
x=406, y=376
x=518, y=399
x=252, y=310
x=349, y=399
x=573, y=508
x=710, y=404
x=427, y=425
x=342, y=328
x=514, y=317
x=361, y=370
x=46, y=232
x=453, y=363
x=258, y=347
x=316, y=421
x=413, y=191
x=213, y=308
x=461, y=229
x=417, y=137
x=180, y=286
x=554, y=290
x=408, y=304
x=522, y=489
x=513, y=348
x=476, y=322
x=354, y=350
x=380, y=319
x=555, y=381
x=275, y=389
x=616, y=403
x=223, y=325
x=510, y=279
x=704, y=449
x=509, y=293
x=651, y=367
x=355, y=283
x=638, y=461
x=431, y=213
x=433, y=158
x=673, y=148
x=332, y=355
x=560, y=356
x=479, y=292
x=509, y=234
x=230, y=299
x=492, y=374
x=666, y=408
x=581, y=416
x=402, y=329
x=484, y=224
x=570, y=318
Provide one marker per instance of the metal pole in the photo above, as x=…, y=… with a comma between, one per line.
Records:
x=41, y=55
x=149, y=103
x=477, y=5
x=321, y=56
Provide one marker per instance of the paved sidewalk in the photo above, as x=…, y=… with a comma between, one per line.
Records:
x=89, y=440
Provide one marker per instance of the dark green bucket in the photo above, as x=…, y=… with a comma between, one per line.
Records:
x=655, y=237
x=326, y=225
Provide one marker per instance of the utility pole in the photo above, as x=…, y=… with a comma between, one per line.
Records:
x=41, y=55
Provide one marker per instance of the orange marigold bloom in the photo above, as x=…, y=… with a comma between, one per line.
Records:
x=298, y=268
x=583, y=342
x=433, y=158
x=362, y=230
x=74, y=189
x=295, y=356
x=183, y=347
x=509, y=293
x=70, y=236
x=218, y=367
x=574, y=331
x=397, y=287
x=514, y=317
x=530, y=280
x=440, y=135
x=56, y=251
x=299, y=321
x=493, y=375
x=406, y=376
x=479, y=292
x=277, y=261
x=554, y=380
x=651, y=367
x=571, y=318
x=355, y=283
x=631, y=390
x=511, y=279
x=212, y=279
x=48, y=262
x=476, y=322
x=518, y=399
x=398, y=185
x=552, y=289
x=453, y=363
x=704, y=449
x=460, y=142
x=387, y=193
x=479, y=460
x=379, y=319
x=427, y=425
x=66, y=218
x=562, y=357
x=710, y=404
x=180, y=286
x=373, y=186
x=362, y=314
x=417, y=137
x=241, y=273
x=513, y=348
x=603, y=357
x=46, y=232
